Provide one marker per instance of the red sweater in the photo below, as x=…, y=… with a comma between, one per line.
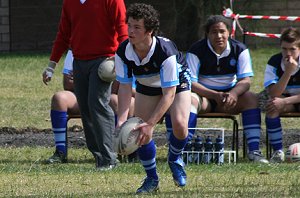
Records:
x=92, y=30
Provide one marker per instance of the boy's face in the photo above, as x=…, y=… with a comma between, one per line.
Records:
x=136, y=31
x=290, y=50
x=218, y=36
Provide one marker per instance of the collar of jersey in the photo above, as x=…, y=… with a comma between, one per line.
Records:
x=131, y=55
x=225, y=53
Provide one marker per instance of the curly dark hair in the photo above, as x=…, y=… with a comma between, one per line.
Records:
x=144, y=11
x=213, y=19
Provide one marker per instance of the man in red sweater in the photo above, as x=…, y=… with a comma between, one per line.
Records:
x=93, y=30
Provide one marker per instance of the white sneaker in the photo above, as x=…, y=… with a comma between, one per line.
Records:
x=277, y=157
x=256, y=156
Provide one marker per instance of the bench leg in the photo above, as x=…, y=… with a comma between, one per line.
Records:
x=268, y=147
x=235, y=138
x=244, y=145
x=236, y=129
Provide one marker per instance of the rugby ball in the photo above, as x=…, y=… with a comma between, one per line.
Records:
x=293, y=153
x=125, y=137
x=106, y=70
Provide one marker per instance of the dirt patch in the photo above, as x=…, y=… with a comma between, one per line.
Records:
x=35, y=137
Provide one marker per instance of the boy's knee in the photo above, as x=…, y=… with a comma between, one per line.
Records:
x=249, y=100
x=196, y=103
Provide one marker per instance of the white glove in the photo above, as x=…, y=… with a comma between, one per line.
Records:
x=48, y=72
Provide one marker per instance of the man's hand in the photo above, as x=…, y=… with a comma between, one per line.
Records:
x=48, y=72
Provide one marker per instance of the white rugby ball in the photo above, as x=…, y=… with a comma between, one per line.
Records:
x=125, y=137
x=293, y=153
x=106, y=70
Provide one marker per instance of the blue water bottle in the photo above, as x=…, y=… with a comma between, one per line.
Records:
x=198, y=146
x=187, y=156
x=208, y=148
x=219, y=148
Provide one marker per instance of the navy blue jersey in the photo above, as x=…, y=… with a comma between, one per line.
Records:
x=274, y=71
x=219, y=72
x=164, y=66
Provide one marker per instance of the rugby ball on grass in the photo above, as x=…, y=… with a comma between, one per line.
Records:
x=125, y=137
x=106, y=70
x=293, y=153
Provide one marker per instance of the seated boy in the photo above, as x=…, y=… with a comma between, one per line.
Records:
x=221, y=70
x=282, y=82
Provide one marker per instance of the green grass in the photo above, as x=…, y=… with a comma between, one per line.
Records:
x=23, y=173
x=25, y=102
x=260, y=58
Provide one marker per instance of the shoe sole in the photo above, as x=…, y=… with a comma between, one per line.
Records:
x=178, y=185
x=55, y=162
x=152, y=192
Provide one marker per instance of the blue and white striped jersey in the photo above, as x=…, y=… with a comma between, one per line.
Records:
x=275, y=69
x=164, y=66
x=219, y=72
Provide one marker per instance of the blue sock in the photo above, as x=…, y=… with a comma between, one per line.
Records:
x=147, y=155
x=192, y=124
x=169, y=128
x=274, y=131
x=59, y=126
x=251, y=123
x=176, y=146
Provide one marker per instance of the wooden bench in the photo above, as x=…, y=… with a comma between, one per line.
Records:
x=74, y=117
x=283, y=115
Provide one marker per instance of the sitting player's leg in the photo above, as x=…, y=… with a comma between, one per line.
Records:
x=62, y=104
x=274, y=129
x=195, y=106
x=192, y=124
x=251, y=117
x=179, y=111
x=144, y=106
x=198, y=105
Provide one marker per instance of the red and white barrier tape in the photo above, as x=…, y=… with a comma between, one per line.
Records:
x=232, y=35
x=263, y=35
x=228, y=13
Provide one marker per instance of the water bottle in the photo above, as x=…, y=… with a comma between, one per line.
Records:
x=219, y=147
x=198, y=145
x=187, y=156
x=208, y=148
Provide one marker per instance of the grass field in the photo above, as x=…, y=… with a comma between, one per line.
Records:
x=23, y=174
x=25, y=102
